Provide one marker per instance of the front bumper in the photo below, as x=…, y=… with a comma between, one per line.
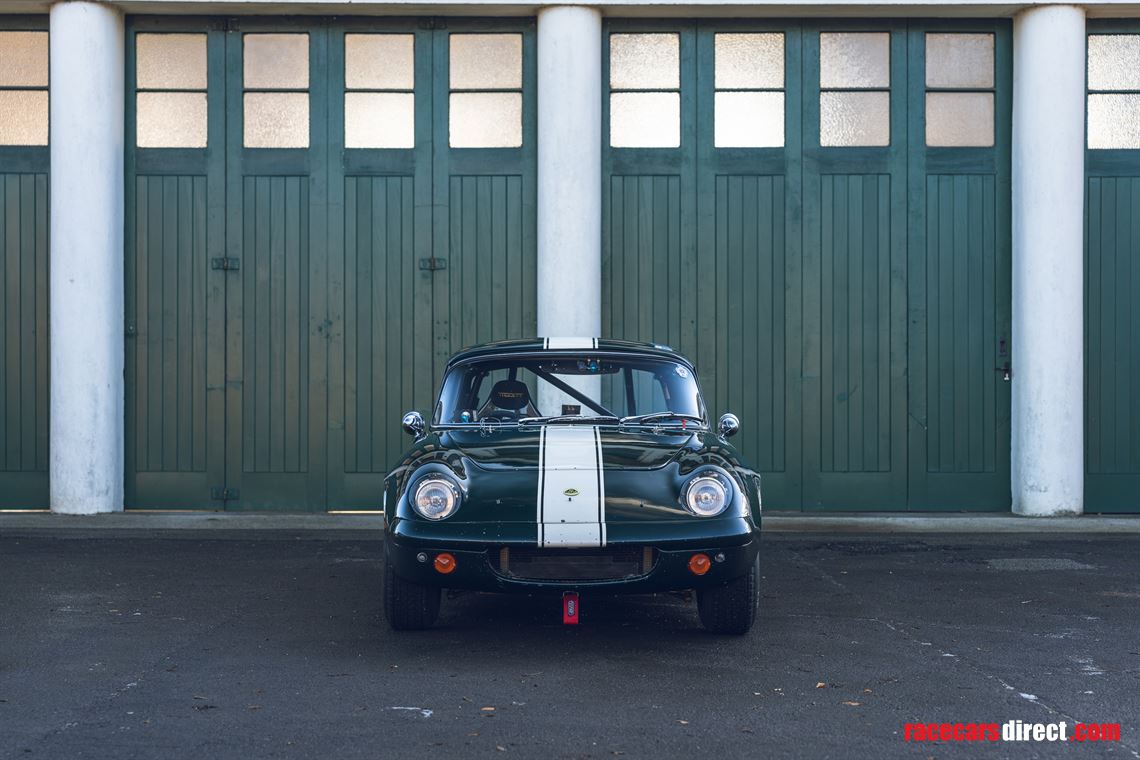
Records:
x=476, y=555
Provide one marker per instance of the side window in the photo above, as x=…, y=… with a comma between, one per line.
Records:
x=275, y=78
x=170, y=91
x=645, y=90
x=855, y=89
x=1114, y=91
x=485, y=98
x=960, y=90
x=379, y=98
x=23, y=88
x=749, y=98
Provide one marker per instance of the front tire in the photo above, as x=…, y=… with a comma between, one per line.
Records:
x=731, y=608
x=408, y=606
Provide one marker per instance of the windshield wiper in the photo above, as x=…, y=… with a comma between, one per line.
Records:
x=641, y=419
x=574, y=418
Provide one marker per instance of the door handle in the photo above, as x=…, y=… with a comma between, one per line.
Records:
x=1006, y=372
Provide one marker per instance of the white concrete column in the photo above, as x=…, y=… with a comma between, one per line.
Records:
x=86, y=308
x=1048, y=252
x=569, y=171
x=569, y=184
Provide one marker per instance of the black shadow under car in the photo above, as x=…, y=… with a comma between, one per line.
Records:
x=571, y=466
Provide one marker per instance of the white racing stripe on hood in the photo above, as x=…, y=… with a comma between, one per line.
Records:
x=555, y=343
x=571, y=487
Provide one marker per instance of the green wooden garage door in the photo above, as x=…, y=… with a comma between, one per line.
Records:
x=340, y=207
x=23, y=264
x=1112, y=277
x=779, y=207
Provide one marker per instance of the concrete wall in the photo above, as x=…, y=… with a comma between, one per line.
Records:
x=86, y=310
x=1048, y=261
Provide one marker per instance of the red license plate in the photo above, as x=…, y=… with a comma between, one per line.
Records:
x=570, y=608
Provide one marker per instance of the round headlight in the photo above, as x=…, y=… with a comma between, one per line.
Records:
x=706, y=496
x=436, y=498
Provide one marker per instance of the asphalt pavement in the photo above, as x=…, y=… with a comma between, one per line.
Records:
x=241, y=645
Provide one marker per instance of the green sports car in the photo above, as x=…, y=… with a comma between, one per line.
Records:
x=571, y=466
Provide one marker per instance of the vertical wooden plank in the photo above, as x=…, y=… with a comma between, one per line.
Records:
x=26, y=324
x=185, y=304
x=497, y=222
x=156, y=306
x=365, y=304
x=401, y=302
x=1132, y=459
x=1106, y=317
x=43, y=378
x=311, y=393
x=168, y=373
x=863, y=213
x=377, y=329
x=828, y=211
x=199, y=267
x=946, y=323
x=140, y=343
x=349, y=320
x=990, y=339
x=891, y=406
x=1122, y=376
x=782, y=283
x=279, y=216
x=961, y=365
x=293, y=334
x=976, y=342
x=1093, y=461
x=8, y=383
x=848, y=203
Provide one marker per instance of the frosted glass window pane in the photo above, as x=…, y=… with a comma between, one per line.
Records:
x=276, y=61
x=854, y=118
x=486, y=61
x=485, y=119
x=23, y=117
x=960, y=119
x=1114, y=121
x=379, y=61
x=645, y=119
x=379, y=120
x=959, y=60
x=645, y=61
x=276, y=120
x=855, y=59
x=746, y=61
x=171, y=120
x=749, y=120
x=23, y=59
x=170, y=61
x=1114, y=62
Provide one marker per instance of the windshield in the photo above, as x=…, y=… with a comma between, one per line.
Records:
x=593, y=388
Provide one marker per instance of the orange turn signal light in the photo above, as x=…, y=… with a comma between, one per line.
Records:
x=699, y=564
x=445, y=563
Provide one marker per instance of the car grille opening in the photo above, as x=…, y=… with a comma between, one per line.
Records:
x=576, y=564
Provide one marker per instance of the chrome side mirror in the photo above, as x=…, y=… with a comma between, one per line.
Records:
x=729, y=425
x=414, y=424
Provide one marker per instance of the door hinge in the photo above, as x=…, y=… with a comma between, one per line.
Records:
x=218, y=493
x=433, y=264
x=225, y=262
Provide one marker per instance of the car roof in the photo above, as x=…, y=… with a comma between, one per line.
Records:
x=571, y=345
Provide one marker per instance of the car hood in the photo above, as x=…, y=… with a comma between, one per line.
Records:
x=623, y=448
